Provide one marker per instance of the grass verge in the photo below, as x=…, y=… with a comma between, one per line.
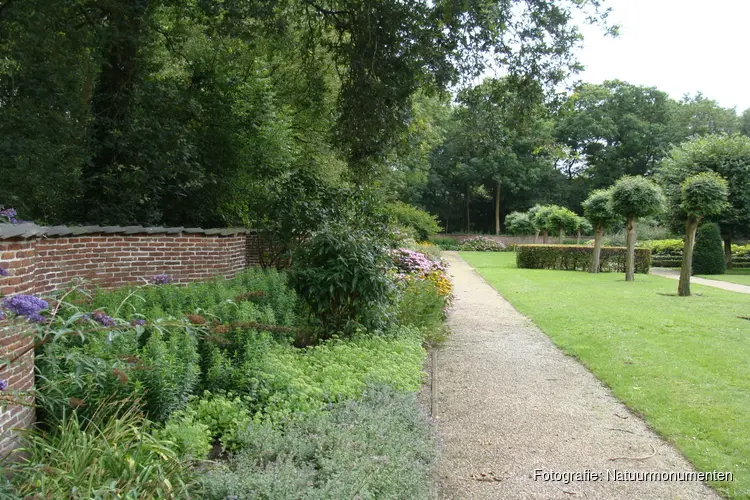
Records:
x=740, y=276
x=683, y=363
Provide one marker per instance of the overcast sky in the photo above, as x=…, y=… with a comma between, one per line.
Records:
x=678, y=46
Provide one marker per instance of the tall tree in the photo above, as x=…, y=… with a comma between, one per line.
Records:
x=699, y=115
x=614, y=129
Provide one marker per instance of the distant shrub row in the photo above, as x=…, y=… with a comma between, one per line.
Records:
x=579, y=258
x=668, y=253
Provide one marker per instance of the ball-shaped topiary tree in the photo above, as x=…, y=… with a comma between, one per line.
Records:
x=583, y=226
x=708, y=254
x=540, y=218
x=703, y=195
x=598, y=210
x=519, y=223
x=634, y=197
x=561, y=221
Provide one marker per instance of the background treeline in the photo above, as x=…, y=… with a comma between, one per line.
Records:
x=196, y=112
x=500, y=153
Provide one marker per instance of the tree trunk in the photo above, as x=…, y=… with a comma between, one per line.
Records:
x=468, y=219
x=597, y=249
x=111, y=104
x=578, y=241
x=497, y=208
x=562, y=236
x=683, y=289
x=728, y=251
x=630, y=254
x=536, y=237
x=544, y=236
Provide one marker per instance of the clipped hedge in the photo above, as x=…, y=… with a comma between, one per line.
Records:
x=665, y=248
x=656, y=261
x=578, y=258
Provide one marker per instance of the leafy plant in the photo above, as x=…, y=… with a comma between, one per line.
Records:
x=111, y=455
x=482, y=244
x=169, y=371
x=192, y=439
x=519, y=223
x=422, y=223
x=342, y=274
x=223, y=415
x=334, y=454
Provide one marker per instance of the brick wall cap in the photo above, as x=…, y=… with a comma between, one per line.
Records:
x=28, y=230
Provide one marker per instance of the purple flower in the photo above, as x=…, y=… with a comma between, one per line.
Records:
x=3, y=271
x=138, y=322
x=3, y=384
x=161, y=279
x=411, y=262
x=2, y=315
x=10, y=214
x=37, y=318
x=102, y=319
x=25, y=305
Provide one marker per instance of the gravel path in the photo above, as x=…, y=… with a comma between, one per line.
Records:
x=725, y=285
x=510, y=402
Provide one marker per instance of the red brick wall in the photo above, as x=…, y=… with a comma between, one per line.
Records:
x=42, y=264
x=112, y=261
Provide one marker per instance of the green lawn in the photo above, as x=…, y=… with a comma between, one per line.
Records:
x=683, y=363
x=741, y=276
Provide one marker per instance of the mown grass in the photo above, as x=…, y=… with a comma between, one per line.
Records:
x=740, y=276
x=683, y=363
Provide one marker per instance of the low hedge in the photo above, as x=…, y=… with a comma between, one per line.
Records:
x=742, y=264
x=578, y=258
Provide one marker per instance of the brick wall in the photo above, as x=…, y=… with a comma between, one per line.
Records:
x=40, y=260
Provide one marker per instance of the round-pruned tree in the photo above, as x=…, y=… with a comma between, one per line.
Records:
x=540, y=218
x=519, y=223
x=634, y=197
x=583, y=226
x=598, y=210
x=703, y=195
x=562, y=220
x=728, y=156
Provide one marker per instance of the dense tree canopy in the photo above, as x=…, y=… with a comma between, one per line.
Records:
x=180, y=112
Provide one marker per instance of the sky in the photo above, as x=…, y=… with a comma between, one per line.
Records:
x=678, y=46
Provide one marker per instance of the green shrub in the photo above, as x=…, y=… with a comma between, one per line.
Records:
x=420, y=222
x=342, y=274
x=236, y=299
x=224, y=415
x=449, y=243
x=578, y=258
x=663, y=248
x=421, y=306
x=482, y=244
x=380, y=446
x=290, y=382
x=429, y=249
x=113, y=455
x=708, y=252
x=520, y=223
x=192, y=439
x=169, y=372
